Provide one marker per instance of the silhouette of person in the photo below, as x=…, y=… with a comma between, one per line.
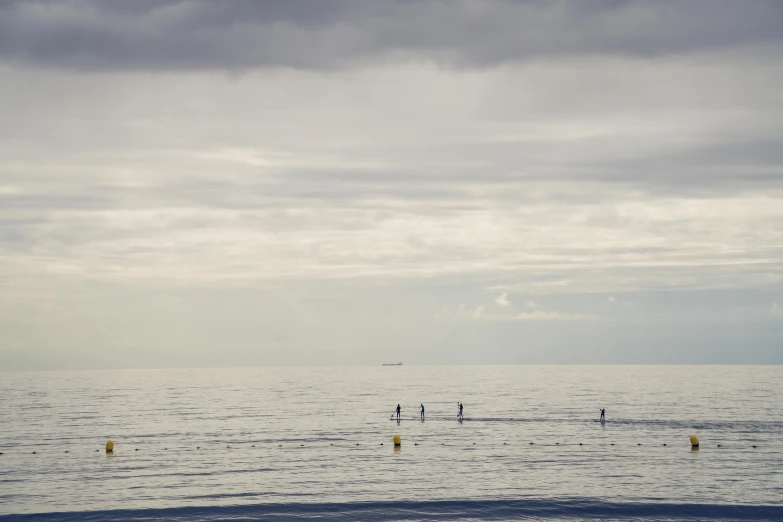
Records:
x=398, y=412
x=460, y=409
x=422, y=412
x=603, y=411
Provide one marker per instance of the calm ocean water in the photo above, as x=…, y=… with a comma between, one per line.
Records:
x=303, y=443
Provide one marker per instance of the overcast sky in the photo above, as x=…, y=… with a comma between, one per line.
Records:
x=197, y=183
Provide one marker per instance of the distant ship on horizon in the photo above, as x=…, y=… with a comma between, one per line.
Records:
x=393, y=364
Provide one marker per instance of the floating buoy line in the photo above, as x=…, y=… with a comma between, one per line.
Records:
x=397, y=440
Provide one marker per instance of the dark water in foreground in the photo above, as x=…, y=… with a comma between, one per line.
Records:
x=304, y=443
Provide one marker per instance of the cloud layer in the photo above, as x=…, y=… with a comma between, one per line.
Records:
x=298, y=177
x=243, y=34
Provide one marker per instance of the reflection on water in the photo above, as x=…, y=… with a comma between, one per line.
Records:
x=292, y=435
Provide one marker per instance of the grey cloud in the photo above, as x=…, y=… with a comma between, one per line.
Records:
x=38, y=201
x=389, y=192
x=238, y=34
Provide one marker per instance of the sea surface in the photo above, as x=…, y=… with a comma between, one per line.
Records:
x=316, y=443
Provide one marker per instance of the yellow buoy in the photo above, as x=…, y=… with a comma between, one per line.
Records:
x=397, y=440
x=694, y=441
x=109, y=446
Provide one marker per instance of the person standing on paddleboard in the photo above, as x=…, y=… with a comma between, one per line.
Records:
x=422, y=412
x=603, y=411
x=460, y=409
x=398, y=412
